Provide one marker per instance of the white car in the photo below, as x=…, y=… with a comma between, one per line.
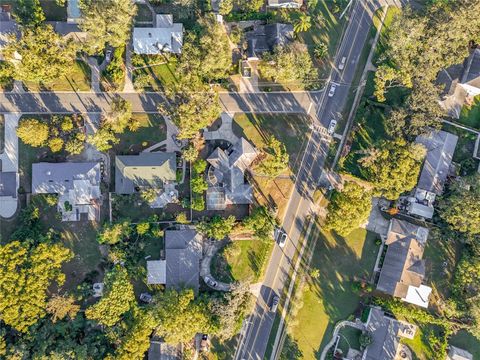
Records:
x=332, y=126
x=332, y=90
x=282, y=239
x=341, y=66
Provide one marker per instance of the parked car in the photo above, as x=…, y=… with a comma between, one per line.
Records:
x=332, y=126
x=332, y=90
x=341, y=66
x=281, y=237
x=274, y=304
x=210, y=282
x=108, y=55
x=204, y=344
x=146, y=298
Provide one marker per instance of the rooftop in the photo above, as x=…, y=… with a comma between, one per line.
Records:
x=440, y=147
x=167, y=36
x=8, y=184
x=144, y=170
x=266, y=37
x=403, y=268
x=455, y=353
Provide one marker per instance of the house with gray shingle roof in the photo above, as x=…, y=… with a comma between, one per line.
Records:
x=291, y=4
x=77, y=185
x=386, y=334
x=181, y=266
x=226, y=176
x=403, y=269
x=455, y=353
x=461, y=83
x=265, y=38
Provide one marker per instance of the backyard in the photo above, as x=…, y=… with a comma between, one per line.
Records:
x=78, y=79
x=330, y=298
x=292, y=130
x=470, y=115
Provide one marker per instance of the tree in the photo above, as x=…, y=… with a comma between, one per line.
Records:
x=120, y=115
x=226, y=7
x=314, y=273
x=28, y=12
x=218, y=227
x=103, y=139
x=198, y=185
x=302, y=24
x=106, y=22
x=182, y=218
x=393, y=168
x=179, y=316
x=277, y=158
x=262, y=222
x=118, y=297
x=206, y=54
x=61, y=306
x=75, y=144
x=55, y=144
x=149, y=194
x=232, y=309
x=114, y=233
x=192, y=109
x=365, y=339
x=320, y=51
x=348, y=209
x=461, y=208
x=27, y=270
x=288, y=64
x=136, y=341
x=33, y=132
x=248, y=6
x=199, y=166
x=44, y=55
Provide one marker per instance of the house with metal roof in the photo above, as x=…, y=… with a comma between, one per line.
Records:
x=440, y=147
x=290, y=4
x=386, y=335
x=455, y=353
x=166, y=36
x=403, y=269
x=73, y=11
x=226, y=176
x=8, y=27
x=181, y=266
x=77, y=185
x=265, y=38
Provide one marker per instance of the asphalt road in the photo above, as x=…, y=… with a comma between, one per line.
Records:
x=68, y=102
x=254, y=339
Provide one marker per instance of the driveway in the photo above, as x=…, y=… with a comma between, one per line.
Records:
x=9, y=177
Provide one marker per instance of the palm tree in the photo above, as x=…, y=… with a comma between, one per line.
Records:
x=302, y=24
x=320, y=51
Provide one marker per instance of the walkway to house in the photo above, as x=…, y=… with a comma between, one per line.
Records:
x=357, y=325
x=9, y=162
x=95, y=69
x=128, y=69
x=225, y=132
x=171, y=145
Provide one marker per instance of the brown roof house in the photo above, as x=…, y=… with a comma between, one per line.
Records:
x=386, y=335
x=461, y=83
x=403, y=269
x=181, y=266
x=226, y=176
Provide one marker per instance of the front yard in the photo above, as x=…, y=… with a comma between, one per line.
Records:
x=330, y=298
x=292, y=130
x=153, y=73
x=242, y=260
x=470, y=115
x=78, y=79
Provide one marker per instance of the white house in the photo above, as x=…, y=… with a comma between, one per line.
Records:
x=167, y=36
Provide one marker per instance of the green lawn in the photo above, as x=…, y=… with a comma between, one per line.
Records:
x=143, y=14
x=152, y=130
x=466, y=341
x=293, y=131
x=242, y=260
x=349, y=338
x=420, y=344
x=153, y=73
x=330, y=298
x=470, y=115
x=77, y=79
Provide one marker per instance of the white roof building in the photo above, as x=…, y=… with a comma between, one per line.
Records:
x=167, y=36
